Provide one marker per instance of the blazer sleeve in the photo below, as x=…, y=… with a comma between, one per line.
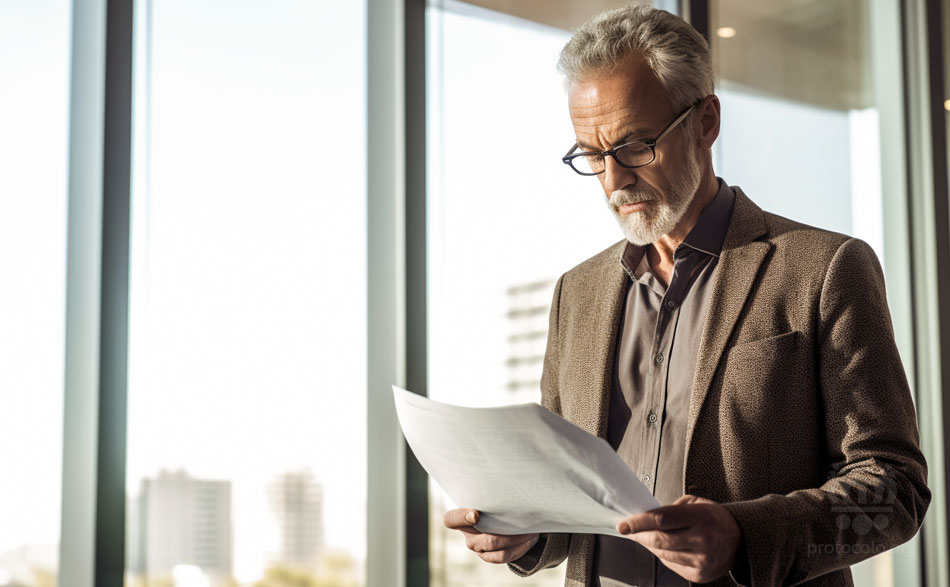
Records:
x=551, y=548
x=876, y=494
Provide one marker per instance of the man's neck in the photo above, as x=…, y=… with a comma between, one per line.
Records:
x=662, y=250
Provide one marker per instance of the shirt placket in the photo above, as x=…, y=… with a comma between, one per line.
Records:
x=685, y=260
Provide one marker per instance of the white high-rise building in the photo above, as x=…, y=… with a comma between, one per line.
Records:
x=528, y=308
x=179, y=521
x=296, y=500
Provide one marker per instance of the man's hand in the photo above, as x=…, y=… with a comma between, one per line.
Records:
x=490, y=548
x=695, y=537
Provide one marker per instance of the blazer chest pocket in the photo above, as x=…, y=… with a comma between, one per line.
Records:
x=758, y=379
x=760, y=362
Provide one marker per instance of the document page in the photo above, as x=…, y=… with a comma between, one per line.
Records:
x=523, y=467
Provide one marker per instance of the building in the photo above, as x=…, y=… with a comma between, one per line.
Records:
x=528, y=308
x=296, y=501
x=177, y=521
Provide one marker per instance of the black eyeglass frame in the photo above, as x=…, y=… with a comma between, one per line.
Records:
x=569, y=158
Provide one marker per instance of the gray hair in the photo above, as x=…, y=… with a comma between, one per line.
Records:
x=671, y=47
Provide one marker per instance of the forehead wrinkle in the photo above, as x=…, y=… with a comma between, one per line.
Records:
x=613, y=120
x=609, y=131
x=614, y=109
x=590, y=103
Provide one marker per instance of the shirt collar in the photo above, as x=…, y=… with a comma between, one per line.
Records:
x=709, y=232
x=706, y=236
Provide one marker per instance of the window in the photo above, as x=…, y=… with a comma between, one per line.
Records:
x=247, y=406
x=489, y=296
x=34, y=103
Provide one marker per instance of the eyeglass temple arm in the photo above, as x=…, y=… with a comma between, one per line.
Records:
x=673, y=124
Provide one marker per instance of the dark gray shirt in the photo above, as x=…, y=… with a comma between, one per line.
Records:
x=653, y=374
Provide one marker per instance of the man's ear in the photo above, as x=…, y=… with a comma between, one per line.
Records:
x=708, y=113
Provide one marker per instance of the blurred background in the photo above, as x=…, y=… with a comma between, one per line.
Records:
x=227, y=226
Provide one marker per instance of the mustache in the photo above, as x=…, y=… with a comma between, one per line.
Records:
x=625, y=196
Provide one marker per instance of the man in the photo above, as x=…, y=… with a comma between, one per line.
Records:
x=742, y=364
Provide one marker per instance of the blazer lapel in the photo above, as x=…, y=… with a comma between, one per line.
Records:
x=601, y=322
x=739, y=263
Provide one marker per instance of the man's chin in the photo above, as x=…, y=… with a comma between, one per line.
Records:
x=637, y=235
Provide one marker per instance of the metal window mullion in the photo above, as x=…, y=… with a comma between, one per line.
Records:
x=93, y=483
x=93, y=494
x=386, y=293
x=417, y=480
x=83, y=282
x=114, y=326
x=696, y=13
x=930, y=246
x=884, y=25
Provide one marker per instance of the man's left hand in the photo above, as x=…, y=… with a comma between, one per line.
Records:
x=695, y=537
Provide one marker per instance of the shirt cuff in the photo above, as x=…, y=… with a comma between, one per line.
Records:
x=529, y=560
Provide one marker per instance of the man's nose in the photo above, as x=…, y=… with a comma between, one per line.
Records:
x=616, y=176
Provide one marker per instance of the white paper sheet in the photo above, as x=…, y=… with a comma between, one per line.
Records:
x=523, y=467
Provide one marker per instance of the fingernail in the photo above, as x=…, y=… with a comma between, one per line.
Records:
x=470, y=517
x=624, y=528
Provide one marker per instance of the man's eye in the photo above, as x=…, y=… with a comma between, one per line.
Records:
x=636, y=148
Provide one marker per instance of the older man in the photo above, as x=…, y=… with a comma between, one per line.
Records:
x=742, y=364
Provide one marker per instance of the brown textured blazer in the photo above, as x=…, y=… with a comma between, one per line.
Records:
x=801, y=422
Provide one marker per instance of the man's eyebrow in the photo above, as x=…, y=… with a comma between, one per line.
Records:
x=633, y=135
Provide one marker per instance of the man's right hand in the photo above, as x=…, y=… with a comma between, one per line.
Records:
x=491, y=548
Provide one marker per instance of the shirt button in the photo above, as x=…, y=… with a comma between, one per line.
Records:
x=646, y=479
x=652, y=417
x=659, y=358
x=670, y=304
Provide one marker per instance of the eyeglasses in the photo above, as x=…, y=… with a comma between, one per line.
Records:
x=630, y=155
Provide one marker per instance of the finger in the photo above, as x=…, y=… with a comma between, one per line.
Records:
x=508, y=554
x=681, y=541
x=692, y=566
x=683, y=560
x=668, y=517
x=687, y=498
x=460, y=518
x=497, y=556
x=688, y=571
x=468, y=530
x=492, y=542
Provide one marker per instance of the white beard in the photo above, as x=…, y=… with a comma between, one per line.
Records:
x=659, y=217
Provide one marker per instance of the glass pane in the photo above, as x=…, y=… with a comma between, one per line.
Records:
x=246, y=461
x=34, y=77
x=810, y=99
x=800, y=123
x=498, y=234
